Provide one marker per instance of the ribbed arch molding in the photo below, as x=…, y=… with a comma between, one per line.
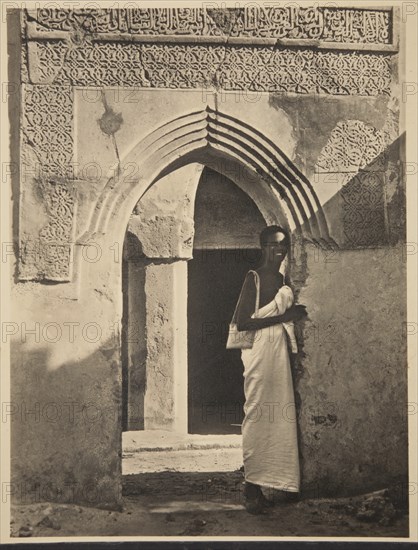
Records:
x=186, y=139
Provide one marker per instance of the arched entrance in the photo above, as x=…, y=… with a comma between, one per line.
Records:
x=217, y=140
x=256, y=165
x=190, y=241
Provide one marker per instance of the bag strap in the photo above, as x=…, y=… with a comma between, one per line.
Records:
x=257, y=285
x=257, y=299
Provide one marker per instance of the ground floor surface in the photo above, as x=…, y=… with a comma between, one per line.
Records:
x=190, y=485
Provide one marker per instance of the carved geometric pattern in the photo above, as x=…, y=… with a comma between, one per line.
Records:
x=47, y=154
x=329, y=24
x=107, y=63
x=351, y=145
x=356, y=151
x=48, y=117
x=49, y=255
x=59, y=202
x=304, y=71
x=363, y=210
x=228, y=67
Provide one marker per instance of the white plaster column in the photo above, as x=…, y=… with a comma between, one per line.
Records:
x=165, y=404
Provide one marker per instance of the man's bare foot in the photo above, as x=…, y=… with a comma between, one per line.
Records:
x=255, y=501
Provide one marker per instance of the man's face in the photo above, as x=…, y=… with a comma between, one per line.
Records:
x=275, y=247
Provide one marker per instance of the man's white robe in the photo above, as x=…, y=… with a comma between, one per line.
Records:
x=269, y=429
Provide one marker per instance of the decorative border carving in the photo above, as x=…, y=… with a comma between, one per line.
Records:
x=331, y=25
x=98, y=64
x=197, y=66
x=47, y=160
x=352, y=145
x=48, y=127
x=49, y=256
x=363, y=210
x=356, y=152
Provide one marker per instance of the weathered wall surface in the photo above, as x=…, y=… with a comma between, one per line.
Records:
x=309, y=130
x=352, y=382
x=66, y=397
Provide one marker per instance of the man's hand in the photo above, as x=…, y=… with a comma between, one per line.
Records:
x=300, y=312
x=294, y=313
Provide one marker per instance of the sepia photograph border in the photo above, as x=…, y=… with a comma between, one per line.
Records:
x=408, y=37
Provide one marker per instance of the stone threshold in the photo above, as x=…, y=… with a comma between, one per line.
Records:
x=162, y=440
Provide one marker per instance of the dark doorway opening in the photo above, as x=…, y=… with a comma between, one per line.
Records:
x=227, y=226
x=216, y=394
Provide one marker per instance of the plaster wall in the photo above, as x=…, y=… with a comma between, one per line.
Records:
x=352, y=382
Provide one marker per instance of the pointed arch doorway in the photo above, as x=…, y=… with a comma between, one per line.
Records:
x=217, y=140
x=177, y=373
x=281, y=192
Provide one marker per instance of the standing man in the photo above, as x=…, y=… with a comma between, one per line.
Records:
x=269, y=429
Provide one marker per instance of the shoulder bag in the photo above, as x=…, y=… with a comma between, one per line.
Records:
x=243, y=339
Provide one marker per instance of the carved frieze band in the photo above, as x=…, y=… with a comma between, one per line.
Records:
x=332, y=25
x=46, y=161
x=48, y=256
x=197, y=66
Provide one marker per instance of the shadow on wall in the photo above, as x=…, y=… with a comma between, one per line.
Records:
x=370, y=209
x=134, y=334
x=66, y=428
x=14, y=111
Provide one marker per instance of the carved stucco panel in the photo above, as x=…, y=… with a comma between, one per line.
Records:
x=356, y=152
x=186, y=66
x=330, y=24
x=46, y=171
x=352, y=145
x=47, y=127
x=88, y=49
